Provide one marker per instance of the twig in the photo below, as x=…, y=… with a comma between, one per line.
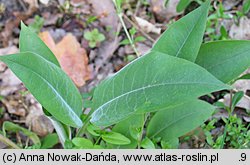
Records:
x=137, y=7
x=120, y=16
x=139, y=29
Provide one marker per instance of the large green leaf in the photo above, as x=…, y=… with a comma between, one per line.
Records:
x=184, y=37
x=226, y=60
x=29, y=41
x=153, y=82
x=49, y=85
x=175, y=122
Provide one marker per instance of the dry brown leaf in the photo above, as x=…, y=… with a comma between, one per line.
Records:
x=242, y=31
x=32, y=3
x=147, y=26
x=72, y=58
x=164, y=13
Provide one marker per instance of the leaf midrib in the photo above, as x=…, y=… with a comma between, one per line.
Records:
x=190, y=32
x=48, y=83
x=150, y=86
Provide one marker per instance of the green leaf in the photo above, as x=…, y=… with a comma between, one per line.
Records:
x=93, y=130
x=139, y=39
x=29, y=41
x=147, y=143
x=170, y=143
x=115, y=138
x=88, y=36
x=100, y=37
x=236, y=98
x=49, y=85
x=246, y=6
x=184, y=37
x=153, y=82
x=131, y=128
x=175, y=122
x=182, y=5
x=49, y=141
x=62, y=130
x=8, y=126
x=226, y=60
x=82, y=143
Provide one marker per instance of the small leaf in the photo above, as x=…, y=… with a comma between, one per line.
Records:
x=8, y=126
x=147, y=143
x=29, y=41
x=246, y=6
x=82, y=143
x=153, y=82
x=139, y=39
x=177, y=121
x=236, y=98
x=125, y=42
x=131, y=128
x=182, y=5
x=55, y=91
x=115, y=138
x=226, y=60
x=49, y=141
x=170, y=143
x=93, y=130
x=184, y=37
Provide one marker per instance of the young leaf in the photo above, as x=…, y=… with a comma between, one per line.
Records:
x=147, y=143
x=8, y=126
x=236, y=98
x=182, y=5
x=29, y=41
x=226, y=60
x=55, y=91
x=82, y=143
x=246, y=6
x=177, y=121
x=170, y=143
x=128, y=127
x=153, y=82
x=49, y=141
x=115, y=138
x=184, y=37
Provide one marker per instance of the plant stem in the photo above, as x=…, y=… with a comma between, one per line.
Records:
x=8, y=142
x=120, y=16
x=84, y=127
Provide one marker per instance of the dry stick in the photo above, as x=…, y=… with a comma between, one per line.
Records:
x=139, y=29
x=8, y=142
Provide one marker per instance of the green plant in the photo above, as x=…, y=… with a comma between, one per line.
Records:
x=94, y=37
x=213, y=21
x=134, y=38
x=236, y=134
x=149, y=103
x=37, y=25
